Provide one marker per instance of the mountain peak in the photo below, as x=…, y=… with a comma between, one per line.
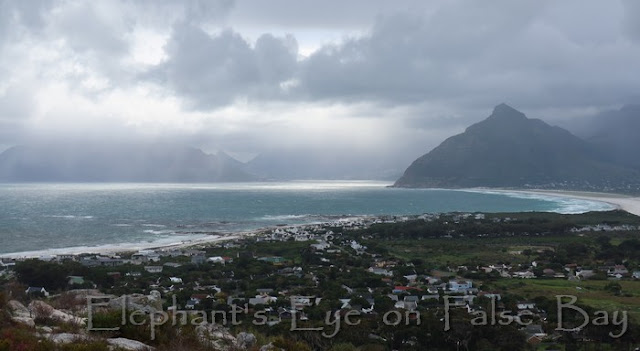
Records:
x=510, y=150
x=504, y=111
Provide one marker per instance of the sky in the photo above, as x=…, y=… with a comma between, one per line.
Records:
x=363, y=76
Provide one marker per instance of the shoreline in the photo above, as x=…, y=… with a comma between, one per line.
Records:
x=114, y=249
x=624, y=202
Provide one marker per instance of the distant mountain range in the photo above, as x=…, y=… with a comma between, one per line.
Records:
x=616, y=134
x=505, y=150
x=510, y=150
x=152, y=162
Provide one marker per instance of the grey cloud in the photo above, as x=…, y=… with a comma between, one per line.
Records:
x=199, y=11
x=16, y=106
x=326, y=14
x=87, y=27
x=461, y=53
x=18, y=16
x=215, y=70
x=16, y=103
x=475, y=57
x=632, y=19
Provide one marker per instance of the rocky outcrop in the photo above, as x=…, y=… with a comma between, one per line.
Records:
x=137, y=302
x=219, y=338
x=245, y=341
x=128, y=344
x=44, y=310
x=215, y=336
x=20, y=314
x=67, y=338
x=270, y=347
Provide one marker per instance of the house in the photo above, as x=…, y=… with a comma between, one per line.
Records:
x=75, y=280
x=216, y=259
x=320, y=246
x=381, y=271
x=411, y=278
x=525, y=305
x=411, y=299
x=460, y=300
x=490, y=295
x=175, y=280
x=192, y=253
x=407, y=305
x=636, y=275
x=618, y=270
x=534, y=330
x=198, y=259
x=346, y=303
x=32, y=290
x=199, y=297
x=172, y=264
x=400, y=289
x=145, y=256
x=262, y=300
x=460, y=285
x=430, y=297
x=7, y=264
x=275, y=260
x=114, y=275
x=191, y=304
x=524, y=275
x=65, y=257
x=153, y=269
x=300, y=302
x=585, y=274
x=101, y=261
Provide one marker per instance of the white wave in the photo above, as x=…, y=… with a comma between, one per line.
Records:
x=158, y=232
x=69, y=216
x=154, y=225
x=284, y=217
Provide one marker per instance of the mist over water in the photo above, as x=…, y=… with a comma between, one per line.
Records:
x=36, y=217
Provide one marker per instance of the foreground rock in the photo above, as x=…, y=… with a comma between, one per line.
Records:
x=245, y=341
x=215, y=336
x=41, y=309
x=137, y=302
x=20, y=314
x=66, y=338
x=128, y=344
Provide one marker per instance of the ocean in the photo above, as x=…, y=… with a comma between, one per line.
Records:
x=45, y=217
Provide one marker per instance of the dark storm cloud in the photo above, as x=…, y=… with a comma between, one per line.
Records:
x=468, y=54
x=473, y=56
x=211, y=71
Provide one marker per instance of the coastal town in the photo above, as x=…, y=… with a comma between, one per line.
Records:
x=290, y=284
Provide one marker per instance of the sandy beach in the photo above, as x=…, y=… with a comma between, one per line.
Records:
x=624, y=202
